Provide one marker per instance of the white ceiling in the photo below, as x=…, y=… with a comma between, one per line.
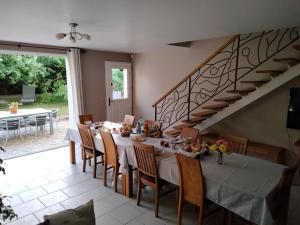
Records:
x=140, y=25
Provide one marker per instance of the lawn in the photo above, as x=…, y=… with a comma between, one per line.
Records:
x=62, y=107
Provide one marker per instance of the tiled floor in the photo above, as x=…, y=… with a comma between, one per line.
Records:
x=46, y=183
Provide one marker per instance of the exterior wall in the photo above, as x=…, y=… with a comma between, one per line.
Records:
x=263, y=121
x=93, y=80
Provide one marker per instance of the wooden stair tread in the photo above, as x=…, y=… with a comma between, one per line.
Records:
x=172, y=132
x=297, y=47
x=270, y=71
x=228, y=99
x=194, y=120
x=257, y=82
x=205, y=113
x=244, y=90
x=216, y=106
x=290, y=61
x=183, y=125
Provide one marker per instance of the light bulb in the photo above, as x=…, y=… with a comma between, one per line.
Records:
x=86, y=36
x=60, y=36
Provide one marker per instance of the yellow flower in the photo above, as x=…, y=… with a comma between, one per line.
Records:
x=214, y=147
x=223, y=148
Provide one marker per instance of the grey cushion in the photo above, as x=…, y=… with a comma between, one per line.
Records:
x=82, y=215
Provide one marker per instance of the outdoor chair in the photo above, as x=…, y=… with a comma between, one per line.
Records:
x=13, y=124
x=54, y=117
x=28, y=94
x=39, y=121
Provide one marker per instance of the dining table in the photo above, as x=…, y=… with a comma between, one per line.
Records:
x=4, y=115
x=242, y=184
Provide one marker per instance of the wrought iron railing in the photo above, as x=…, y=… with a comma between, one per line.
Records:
x=235, y=59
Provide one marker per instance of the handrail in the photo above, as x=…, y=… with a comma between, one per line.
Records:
x=197, y=68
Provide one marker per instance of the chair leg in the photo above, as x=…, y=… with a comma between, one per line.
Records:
x=84, y=161
x=139, y=191
x=116, y=170
x=200, y=216
x=105, y=174
x=90, y=163
x=179, y=209
x=156, y=202
x=95, y=166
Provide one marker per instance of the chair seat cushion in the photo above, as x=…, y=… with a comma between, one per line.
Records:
x=82, y=215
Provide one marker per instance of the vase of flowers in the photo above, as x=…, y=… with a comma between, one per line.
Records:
x=221, y=146
x=13, y=107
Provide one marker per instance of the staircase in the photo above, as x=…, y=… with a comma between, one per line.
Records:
x=244, y=69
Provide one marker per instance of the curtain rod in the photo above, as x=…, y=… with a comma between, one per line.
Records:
x=34, y=46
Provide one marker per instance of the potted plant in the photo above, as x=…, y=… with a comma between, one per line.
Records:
x=13, y=107
x=6, y=212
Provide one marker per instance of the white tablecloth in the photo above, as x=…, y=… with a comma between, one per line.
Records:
x=241, y=184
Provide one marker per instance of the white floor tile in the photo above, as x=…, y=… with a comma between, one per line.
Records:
x=53, y=198
x=32, y=194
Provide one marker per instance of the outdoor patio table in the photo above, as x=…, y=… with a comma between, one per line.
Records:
x=242, y=184
x=28, y=112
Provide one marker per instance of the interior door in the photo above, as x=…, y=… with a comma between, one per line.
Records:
x=118, y=90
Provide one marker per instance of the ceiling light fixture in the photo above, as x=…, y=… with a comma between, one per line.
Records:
x=73, y=35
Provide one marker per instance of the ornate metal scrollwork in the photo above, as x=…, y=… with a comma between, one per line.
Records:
x=244, y=54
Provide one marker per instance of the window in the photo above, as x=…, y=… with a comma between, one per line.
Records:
x=119, y=84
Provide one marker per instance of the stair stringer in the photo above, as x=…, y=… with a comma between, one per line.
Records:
x=275, y=83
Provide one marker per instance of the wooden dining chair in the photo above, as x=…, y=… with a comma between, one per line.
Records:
x=190, y=132
x=111, y=158
x=236, y=144
x=88, y=147
x=191, y=185
x=85, y=118
x=129, y=120
x=147, y=173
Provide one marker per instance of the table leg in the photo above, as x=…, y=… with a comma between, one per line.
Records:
x=127, y=179
x=72, y=152
x=51, y=123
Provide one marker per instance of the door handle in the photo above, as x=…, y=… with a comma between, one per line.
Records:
x=109, y=101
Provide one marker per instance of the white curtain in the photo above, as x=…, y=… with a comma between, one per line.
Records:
x=74, y=81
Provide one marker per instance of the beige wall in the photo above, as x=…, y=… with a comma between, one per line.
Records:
x=157, y=72
x=263, y=121
x=93, y=80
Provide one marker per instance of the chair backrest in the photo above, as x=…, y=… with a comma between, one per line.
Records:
x=110, y=148
x=152, y=123
x=191, y=180
x=146, y=160
x=86, y=135
x=129, y=120
x=85, y=118
x=236, y=144
x=191, y=132
x=279, y=202
x=54, y=113
x=28, y=92
x=41, y=119
x=11, y=124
